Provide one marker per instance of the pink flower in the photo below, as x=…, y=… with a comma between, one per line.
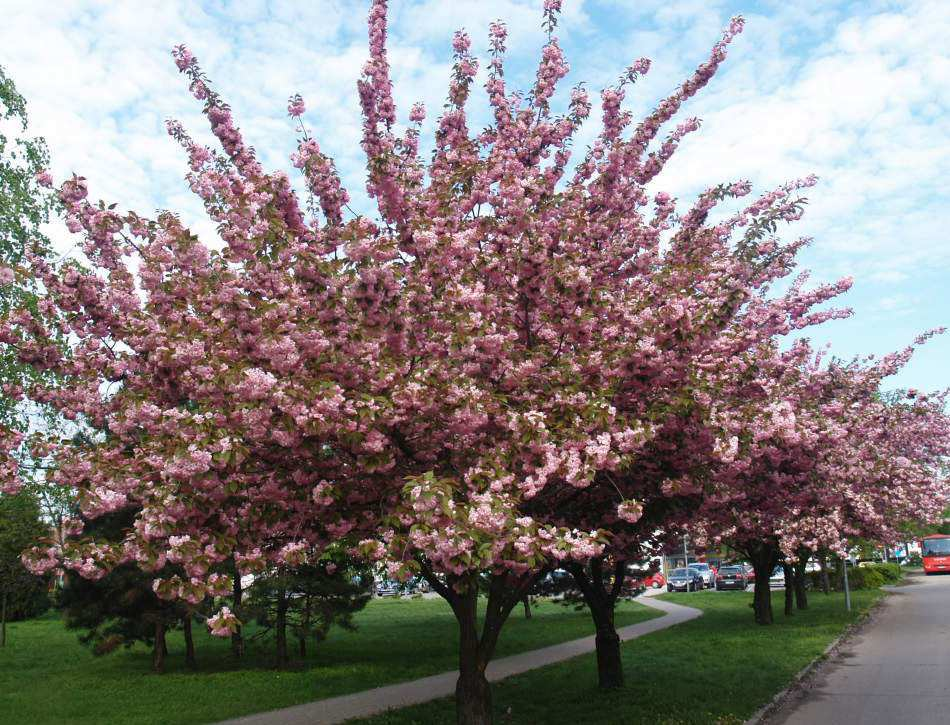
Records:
x=183, y=57
x=256, y=384
x=630, y=511
x=417, y=113
x=224, y=623
x=295, y=106
x=293, y=554
x=461, y=42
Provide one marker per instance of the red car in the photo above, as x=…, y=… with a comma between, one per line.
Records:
x=656, y=581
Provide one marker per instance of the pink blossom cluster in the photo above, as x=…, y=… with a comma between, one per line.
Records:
x=296, y=106
x=510, y=368
x=630, y=511
x=224, y=623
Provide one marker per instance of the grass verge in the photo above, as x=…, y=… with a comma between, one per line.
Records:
x=47, y=677
x=719, y=668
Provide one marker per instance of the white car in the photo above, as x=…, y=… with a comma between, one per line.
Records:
x=777, y=580
x=709, y=576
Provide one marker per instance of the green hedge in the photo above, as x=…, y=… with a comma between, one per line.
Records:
x=866, y=577
x=860, y=577
x=890, y=572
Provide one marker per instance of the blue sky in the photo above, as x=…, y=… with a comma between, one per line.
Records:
x=857, y=92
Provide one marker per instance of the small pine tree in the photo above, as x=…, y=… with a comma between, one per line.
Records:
x=308, y=600
x=121, y=608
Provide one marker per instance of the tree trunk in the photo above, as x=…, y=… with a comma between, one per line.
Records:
x=280, y=625
x=190, y=660
x=237, y=639
x=801, y=589
x=527, y=606
x=601, y=602
x=160, y=649
x=472, y=691
x=304, y=629
x=609, y=663
x=823, y=563
x=473, y=704
x=789, y=589
x=3, y=620
x=607, y=642
x=763, y=558
x=472, y=695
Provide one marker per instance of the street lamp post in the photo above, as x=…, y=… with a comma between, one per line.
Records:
x=686, y=562
x=847, y=588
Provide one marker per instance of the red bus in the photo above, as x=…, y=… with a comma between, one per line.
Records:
x=935, y=551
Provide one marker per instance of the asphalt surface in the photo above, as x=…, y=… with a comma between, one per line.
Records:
x=895, y=671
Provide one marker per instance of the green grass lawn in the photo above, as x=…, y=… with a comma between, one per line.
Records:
x=719, y=668
x=46, y=676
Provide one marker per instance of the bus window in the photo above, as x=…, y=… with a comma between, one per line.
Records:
x=935, y=547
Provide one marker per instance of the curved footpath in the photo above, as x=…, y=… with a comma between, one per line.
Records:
x=371, y=702
x=895, y=670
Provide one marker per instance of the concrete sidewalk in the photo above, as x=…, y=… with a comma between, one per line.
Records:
x=371, y=702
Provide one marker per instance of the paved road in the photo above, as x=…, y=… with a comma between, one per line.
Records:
x=897, y=671
x=370, y=702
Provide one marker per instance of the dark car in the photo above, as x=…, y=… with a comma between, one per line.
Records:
x=732, y=577
x=682, y=580
x=554, y=584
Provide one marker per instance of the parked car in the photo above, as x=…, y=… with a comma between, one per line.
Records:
x=707, y=572
x=636, y=583
x=647, y=574
x=685, y=580
x=749, y=572
x=778, y=577
x=416, y=585
x=386, y=588
x=633, y=586
x=554, y=584
x=732, y=577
